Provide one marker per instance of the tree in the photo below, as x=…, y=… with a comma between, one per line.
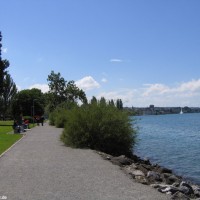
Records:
x=4, y=64
x=93, y=100
x=7, y=86
x=62, y=91
x=119, y=104
x=9, y=91
x=111, y=102
x=102, y=101
x=27, y=100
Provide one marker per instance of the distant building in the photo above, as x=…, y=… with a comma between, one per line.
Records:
x=152, y=110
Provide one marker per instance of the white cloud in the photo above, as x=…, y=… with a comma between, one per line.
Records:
x=126, y=95
x=178, y=95
x=43, y=87
x=104, y=80
x=192, y=86
x=87, y=83
x=182, y=94
x=116, y=60
x=155, y=89
x=185, y=88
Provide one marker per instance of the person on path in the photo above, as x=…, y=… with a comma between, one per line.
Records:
x=42, y=120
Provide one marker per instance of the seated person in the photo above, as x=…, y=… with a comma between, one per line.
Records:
x=16, y=126
x=26, y=124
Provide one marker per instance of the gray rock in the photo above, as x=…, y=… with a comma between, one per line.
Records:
x=197, y=193
x=170, y=190
x=121, y=160
x=186, y=188
x=179, y=196
x=161, y=186
x=138, y=173
x=153, y=176
x=173, y=179
x=132, y=170
x=196, y=190
x=141, y=179
x=164, y=170
x=143, y=168
x=176, y=184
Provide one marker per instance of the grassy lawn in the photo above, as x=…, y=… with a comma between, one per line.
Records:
x=6, y=129
x=7, y=140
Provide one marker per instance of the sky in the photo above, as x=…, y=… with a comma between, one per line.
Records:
x=141, y=51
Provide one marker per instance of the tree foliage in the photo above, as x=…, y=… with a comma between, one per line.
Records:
x=93, y=100
x=4, y=64
x=8, y=88
x=119, y=104
x=25, y=100
x=8, y=94
x=61, y=91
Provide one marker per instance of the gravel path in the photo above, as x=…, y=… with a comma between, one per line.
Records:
x=39, y=167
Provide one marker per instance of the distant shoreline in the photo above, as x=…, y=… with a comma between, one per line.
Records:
x=152, y=110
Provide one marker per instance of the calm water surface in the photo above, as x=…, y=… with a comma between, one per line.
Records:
x=172, y=141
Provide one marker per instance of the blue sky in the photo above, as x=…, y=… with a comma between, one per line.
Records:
x=142, y=51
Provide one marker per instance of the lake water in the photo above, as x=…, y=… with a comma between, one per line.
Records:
x=172, y=141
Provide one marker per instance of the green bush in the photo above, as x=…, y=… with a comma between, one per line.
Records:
x=59, y=116
x=100, y=127
x=52, y=117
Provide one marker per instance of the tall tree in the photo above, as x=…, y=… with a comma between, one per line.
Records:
x=62, y=91
x=94, y=100
x=9, y=91
x=119, y=104
x=111, y=102
x=102, y=101
x=3, y=65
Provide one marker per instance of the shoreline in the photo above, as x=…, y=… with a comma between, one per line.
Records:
x=185, y=178
x=164, y=180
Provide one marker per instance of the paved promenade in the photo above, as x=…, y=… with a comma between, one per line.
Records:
x=39, y=167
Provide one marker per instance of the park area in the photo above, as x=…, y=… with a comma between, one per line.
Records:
x=7, y=139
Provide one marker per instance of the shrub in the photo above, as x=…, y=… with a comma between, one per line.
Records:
x=59, y=116
x=100, y=127
x=52, y=117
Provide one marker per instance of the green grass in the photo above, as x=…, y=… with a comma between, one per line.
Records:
x=7, y=140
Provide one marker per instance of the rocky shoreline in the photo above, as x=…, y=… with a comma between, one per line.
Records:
x=160, y=178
